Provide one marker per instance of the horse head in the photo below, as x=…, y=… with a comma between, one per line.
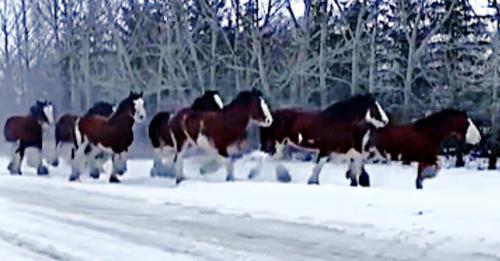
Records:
x=453, y=122
x=256, y=105
x=133, y=105
x=375, y=115
x=209, y=101
x=43, y=111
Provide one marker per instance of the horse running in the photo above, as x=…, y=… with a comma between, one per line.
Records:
x=218, y=132
x=109, y=136
x=65, y=133
x=27, y=131
x=340, y=128
x=419, y=142
x=163, y=132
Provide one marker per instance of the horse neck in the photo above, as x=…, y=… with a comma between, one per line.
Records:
x=343, y=113
x=236, y=115
x=122, y=119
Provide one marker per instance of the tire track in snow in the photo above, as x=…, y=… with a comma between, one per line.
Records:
x=34, y=246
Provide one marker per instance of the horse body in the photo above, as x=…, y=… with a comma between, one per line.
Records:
x=165, y=132
x=420, y=141
x=217, y=132
x=111, y=136
x=27, y=131
x=341, y=128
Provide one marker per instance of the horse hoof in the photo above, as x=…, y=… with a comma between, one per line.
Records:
x=313, y=182
x=253, y=173
x=54, y=163
x=95, y=174
x=419, y=184
x=364, y=180
x=354, y=183
x=282, y=174
x=121, y=172
x=113, y=179
x=42, y=171
x=73, y=178
x=178, y=180
x=230, y=178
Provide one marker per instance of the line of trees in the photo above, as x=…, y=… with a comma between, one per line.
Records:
x=417, y=56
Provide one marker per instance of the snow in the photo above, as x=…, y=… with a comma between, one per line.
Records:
x=456, y=212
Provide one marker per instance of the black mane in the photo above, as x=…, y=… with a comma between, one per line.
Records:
x=245, y=97
x=350, y=108
x=438, y=118
x=101, y=108
x=206, y=102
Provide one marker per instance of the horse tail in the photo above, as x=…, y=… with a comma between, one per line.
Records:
x=155, y=128
x=8, y=131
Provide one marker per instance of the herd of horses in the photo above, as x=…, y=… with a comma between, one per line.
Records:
x=356, y=129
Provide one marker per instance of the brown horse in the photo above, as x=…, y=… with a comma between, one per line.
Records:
x=286, y=127
x=65, y=133
x=419, y=142
x=340, y=128
x=163, y=132
x=219, y=132
x=27, y=131
x=108, y=136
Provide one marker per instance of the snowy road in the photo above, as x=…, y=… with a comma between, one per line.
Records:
x=48, y=218
x=43, y=221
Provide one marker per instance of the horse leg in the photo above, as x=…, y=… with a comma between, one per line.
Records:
x=355, y=166
x=41, y=169
x=320, y=162
x=364, y=178
x=279, y=149
x=14, y=166
x=179, y=167
x=78, y=161
x=117, y=168
x=96, y=160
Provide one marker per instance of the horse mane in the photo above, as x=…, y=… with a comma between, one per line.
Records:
x=200, y=104
x=347, y=109
x=101, y=108
x=437, y=118
x=244, y=98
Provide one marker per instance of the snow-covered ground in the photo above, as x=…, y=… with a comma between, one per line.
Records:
x=456, y=216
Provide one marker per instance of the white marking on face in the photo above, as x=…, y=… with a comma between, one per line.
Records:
x=376, y=123
x=48, y=110
x=218, y=100
x=267, y=114
x=301, y=138
x=140, y=112
x=382, y=113
x=473, y=136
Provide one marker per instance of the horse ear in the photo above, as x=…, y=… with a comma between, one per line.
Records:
x=141, y=94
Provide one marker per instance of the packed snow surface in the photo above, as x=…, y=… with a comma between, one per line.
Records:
x=455, y=217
